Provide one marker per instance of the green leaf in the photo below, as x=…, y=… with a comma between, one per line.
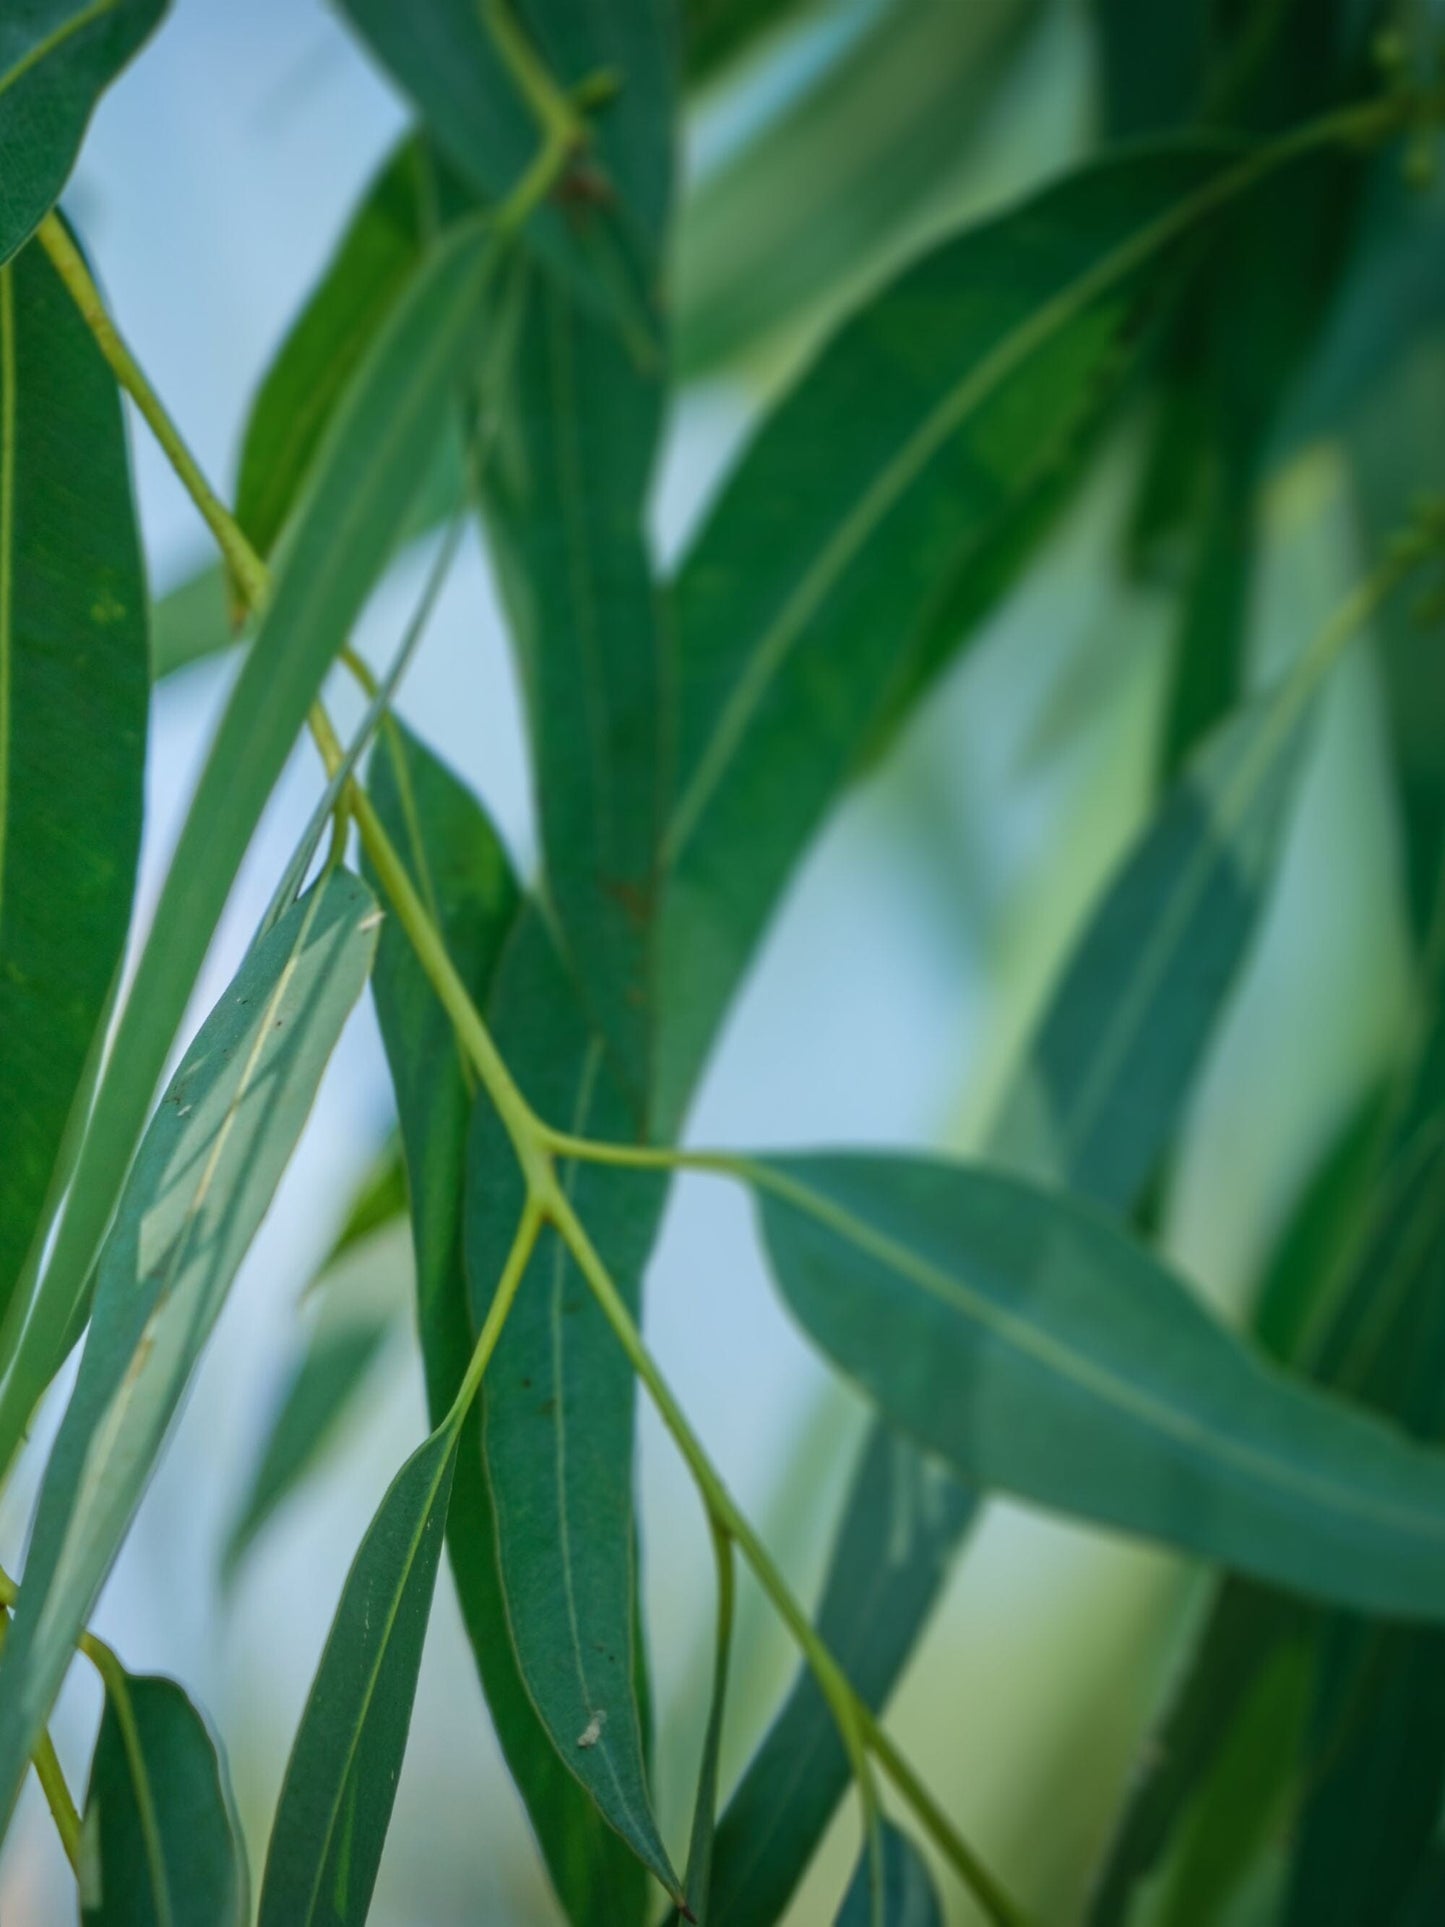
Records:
x=191, y=622
x=73, y=700
x=444, y=56
x=379, y=1200
x=697, y=1883
x=201, y=1184
x=902, y=1523
x=364, y=480
x=323, y=1386
x=892, y=1888
x=160, y=1840
x=565, y=493
x=984, y=367
x=462, y=871
x=559, y=1400
x=1154, y=62
x=1105, y=1078
x=1037, y=1349
x=340, y=1783
x=56, y=59
x=718, y=31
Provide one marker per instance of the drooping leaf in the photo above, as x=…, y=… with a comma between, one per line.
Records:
x=74, y=675
x=340, y=1783
x=56, y=59
x=559, y=1401
x=565, y=492
x=902, y=1522
x=1043, y=1353
x=444, y=54
x=910, y=468
x=378, y=447
x=160, y=1838
x=323, y=1386
x=893, y=1888
x=464, y=876
x=201, y=1184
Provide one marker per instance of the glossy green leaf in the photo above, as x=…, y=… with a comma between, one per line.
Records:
x=458, y=863
x=444, y=54
x=1041, y=1352
x=902, y=1523
x=340, y=1783
x=565, y=491
x=1102, y=1085
x=160, y=1840
x=365, y=478
x=201, y=1184
x=892, y=1887
x=56, y=59
x=911, y=467
x=323, y=1386
x=73, y=701
x=559, y=1402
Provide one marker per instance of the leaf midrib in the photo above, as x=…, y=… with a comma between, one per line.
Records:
x=43, y=49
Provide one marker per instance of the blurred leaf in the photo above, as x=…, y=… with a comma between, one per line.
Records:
x=895, y=1890
x=718, y=32
x=56, y=59
x=1041, y=1352
x=1111, y=1063
x=443, y=54
x=1153, y=62
x=698, y=1882
x=378, y=447
x=559, y=1401
x=161, y=1841
x=203, y=1180
x=191, y=621
x=982, y=368
x=340, y=1783
x=464, y=876
x=73, y=701
x=323, y=1386
x=904, y=1518
x=565, y=493
x=378, y=1201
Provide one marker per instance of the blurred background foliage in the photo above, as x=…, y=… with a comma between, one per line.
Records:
x=1294, y=408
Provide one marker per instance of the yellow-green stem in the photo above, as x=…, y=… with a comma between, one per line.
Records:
x=45, y=1759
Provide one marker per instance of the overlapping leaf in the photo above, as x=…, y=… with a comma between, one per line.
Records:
x=160, y=1839
x=56, y=58
x=200, y=1186
x=74, y=678
x=892, y=1887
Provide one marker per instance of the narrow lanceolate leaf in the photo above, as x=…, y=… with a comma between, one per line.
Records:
x=1104, y=1081
x=378, y=256
x=364, y=479
x=73, y=698
x=904, y=1519
x=323, y=1387
x=606, y=238
x=204, y=1178
x=340, y=1782
x=56, y=59
x=559, y=1401
x=881, y=510
x=565, y=491
x=891, y=1887
x=160, y=1840
x=1036, y=1348
x=463, y=874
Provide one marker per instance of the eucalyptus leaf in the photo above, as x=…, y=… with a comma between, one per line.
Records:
x=323, y=1386
x=559, y=1402
x=340, y=1783
x=56, y=59
x=1041, y=1352
x=203, y=1180
x=160, y=1839
x=892, y=1888
x=191, y=621
x=74, y=676
x=364, y=479
x=379, y=1201
x=462, y=871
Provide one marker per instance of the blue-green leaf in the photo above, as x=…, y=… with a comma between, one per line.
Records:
x=204, y=1178
x=892, y=1887
x=73, y=699
x=160, y=1840
x=56, y=59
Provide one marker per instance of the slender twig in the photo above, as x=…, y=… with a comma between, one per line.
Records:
x=45, y=1759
